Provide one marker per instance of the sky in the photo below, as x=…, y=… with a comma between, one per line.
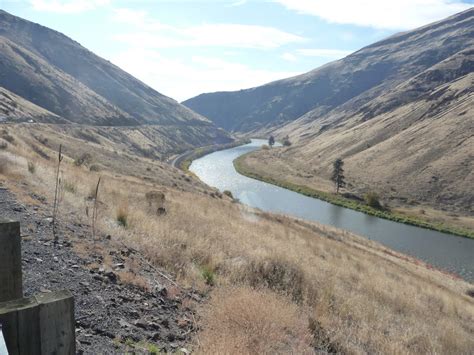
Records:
x=183, y=48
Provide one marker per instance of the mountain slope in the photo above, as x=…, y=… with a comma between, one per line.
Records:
x=14, y=107
x=57, y=73
x=358, y=78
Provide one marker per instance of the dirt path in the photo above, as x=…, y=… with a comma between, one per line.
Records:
x=111, y=316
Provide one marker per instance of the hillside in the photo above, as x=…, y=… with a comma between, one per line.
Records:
x=14, y=107
x=209, y=273
x=54, y=72
x=353, y=81
x=407, y=135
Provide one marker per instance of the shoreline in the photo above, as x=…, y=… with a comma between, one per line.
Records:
x=349, y=203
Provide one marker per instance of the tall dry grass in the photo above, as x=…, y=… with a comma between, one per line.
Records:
x=243, y=320
x=350, y=293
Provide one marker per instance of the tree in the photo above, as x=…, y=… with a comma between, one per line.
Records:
x=271, y=141
x=338, y=174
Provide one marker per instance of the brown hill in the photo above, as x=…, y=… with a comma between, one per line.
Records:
x=59, y=75
x=353, y=81
x=14, y=107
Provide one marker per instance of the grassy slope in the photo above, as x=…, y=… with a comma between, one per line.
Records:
x=279, y=284
x=339, y=200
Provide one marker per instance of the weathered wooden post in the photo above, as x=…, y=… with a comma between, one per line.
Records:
x=42, y=324
x=11, y=283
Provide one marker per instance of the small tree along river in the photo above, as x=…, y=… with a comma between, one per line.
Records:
x=448, y=252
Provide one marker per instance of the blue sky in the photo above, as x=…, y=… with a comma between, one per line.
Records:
x=184, y=48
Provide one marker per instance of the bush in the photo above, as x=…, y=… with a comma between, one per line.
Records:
x=94, y=167
x=372, y=200
x=3, y=146
x=155, y=198
x=122, y=215
x=265, y=147
x=248, y=321
x=276, y=274
x=69, y=187
x=31, y=167
x=6, y=136
x=208, y=275
x=286, y=141
x=85, y=158
x=4, y=163
x=228, y=193
x=40, y=152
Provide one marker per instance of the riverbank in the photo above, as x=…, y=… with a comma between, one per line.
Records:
x=342, y=201
x=184, y=161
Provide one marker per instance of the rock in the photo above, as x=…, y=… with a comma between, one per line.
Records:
x=111, y=276
x=165, y=323
x=124, y=324
x=171, y=337
x=119, y=266
x=98, y=277
x=141, y=323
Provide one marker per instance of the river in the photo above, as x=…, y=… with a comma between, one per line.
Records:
x=451, y=253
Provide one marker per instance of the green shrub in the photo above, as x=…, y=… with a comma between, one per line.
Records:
x=31, y=167
x=208, y=275
x=372, y=200
x=85, y=158
x=122, y=215
x=94, y=167
x=69, y=187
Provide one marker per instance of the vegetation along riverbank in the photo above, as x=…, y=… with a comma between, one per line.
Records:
x=343, y=201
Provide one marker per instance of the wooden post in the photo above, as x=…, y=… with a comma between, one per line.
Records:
x=56, y=323
x=11, y=286
x=20, y=325
x=42, y=324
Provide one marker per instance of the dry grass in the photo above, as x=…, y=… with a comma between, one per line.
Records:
x=134, y=279
x=361, y=297
x=248, y=321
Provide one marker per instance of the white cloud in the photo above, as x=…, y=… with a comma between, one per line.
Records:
x=323, y=53
x=67, y=6
x=153, y=34
x=238, y=3
x=182, y=79
x=289, y=57
x=382, y=14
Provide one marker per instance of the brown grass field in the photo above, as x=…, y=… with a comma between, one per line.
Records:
x=275, y=284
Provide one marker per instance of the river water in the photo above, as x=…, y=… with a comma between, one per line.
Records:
x=451, y=253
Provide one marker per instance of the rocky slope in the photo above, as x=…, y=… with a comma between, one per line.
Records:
x=348, y=84
x=112, y=315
